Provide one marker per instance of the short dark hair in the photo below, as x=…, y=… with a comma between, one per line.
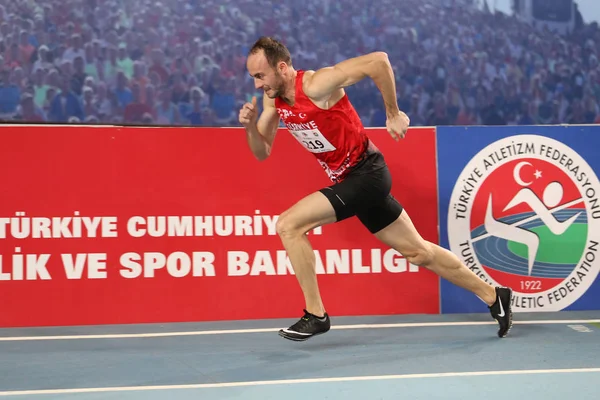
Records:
x=274, y=50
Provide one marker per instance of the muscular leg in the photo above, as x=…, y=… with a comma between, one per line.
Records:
x=311, y=212
x=402, y=236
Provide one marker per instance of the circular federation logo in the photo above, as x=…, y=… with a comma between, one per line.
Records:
x=525, y=213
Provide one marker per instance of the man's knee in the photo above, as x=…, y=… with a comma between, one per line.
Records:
x=288, y=226
x=421, y=255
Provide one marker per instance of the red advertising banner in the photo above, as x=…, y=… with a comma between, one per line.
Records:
x=109, y=225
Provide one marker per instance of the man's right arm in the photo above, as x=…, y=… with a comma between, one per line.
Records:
x=261, y=134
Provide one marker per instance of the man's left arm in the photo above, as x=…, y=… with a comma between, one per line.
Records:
x=348, y=72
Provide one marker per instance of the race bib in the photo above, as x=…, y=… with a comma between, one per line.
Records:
x=313, y=140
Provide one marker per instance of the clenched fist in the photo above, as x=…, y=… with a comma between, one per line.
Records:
x=249, y=113
x=397, y=125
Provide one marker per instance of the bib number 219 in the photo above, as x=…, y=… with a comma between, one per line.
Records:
x=314, y=141
x=313, y=144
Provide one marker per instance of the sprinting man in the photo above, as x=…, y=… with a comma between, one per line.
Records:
x=316, y=110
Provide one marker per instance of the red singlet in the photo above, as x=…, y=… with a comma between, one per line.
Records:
x=336, y=136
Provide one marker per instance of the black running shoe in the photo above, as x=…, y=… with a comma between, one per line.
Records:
x=501, y=310
x=308, y=326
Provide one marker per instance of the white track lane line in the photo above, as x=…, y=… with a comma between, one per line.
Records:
x=263, y=330
x=298, y=381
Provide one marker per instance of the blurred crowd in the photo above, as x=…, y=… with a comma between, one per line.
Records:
x=182, y=62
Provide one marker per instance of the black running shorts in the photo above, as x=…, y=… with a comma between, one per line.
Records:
x=365, y=192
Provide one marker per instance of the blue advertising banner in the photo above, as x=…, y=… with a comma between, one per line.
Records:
x=520, y=206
